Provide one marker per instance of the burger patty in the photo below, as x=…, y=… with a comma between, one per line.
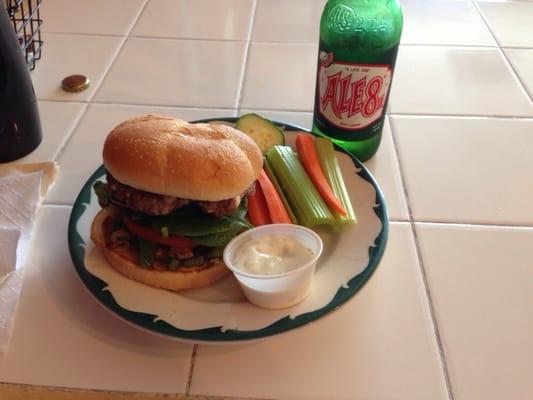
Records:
x=157, y=204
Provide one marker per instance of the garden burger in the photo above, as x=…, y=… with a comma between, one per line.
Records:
x=173, y=197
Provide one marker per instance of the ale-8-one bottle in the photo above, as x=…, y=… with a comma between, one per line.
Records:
x=357, y=52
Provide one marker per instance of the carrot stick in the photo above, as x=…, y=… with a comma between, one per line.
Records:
x=257, y=208
x=309, y=158
x=276, y=208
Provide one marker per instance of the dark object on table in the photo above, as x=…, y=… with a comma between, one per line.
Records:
x=20, y=127
x=26, y=20
x=75, y=83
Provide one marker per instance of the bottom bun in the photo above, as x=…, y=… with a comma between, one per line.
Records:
x=164, y=279
x=122, y=260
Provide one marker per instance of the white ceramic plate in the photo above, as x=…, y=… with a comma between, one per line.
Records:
x=219, y=313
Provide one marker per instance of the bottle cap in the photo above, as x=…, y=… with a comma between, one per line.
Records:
x=75, y=83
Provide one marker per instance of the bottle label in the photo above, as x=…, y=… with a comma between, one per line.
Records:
x=351, y=96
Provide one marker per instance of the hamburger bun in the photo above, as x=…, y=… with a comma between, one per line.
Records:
x=124, y=261
x=171, y=157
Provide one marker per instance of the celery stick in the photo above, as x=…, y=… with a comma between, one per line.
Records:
x=332, y=171
x=306, y=203
x=275, y=182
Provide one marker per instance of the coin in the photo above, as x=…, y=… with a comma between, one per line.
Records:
x=75, y=83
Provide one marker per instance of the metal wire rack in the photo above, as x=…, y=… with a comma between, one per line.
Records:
x=27, y=24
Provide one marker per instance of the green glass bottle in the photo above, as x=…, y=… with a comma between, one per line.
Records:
x=358, y=45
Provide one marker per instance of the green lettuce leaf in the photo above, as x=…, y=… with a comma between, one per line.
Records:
x=217, y=239
x=100, y=189
x=196, y=224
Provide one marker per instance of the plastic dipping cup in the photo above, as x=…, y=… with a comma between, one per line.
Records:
x=279, y=290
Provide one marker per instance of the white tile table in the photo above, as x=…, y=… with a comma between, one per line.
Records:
x=447, y=314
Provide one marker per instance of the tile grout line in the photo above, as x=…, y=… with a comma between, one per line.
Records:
x=48, y=392
x=517, y=47
x=308, y=111
x=471, y=224
x=500, y=48
x=64, y=145
x=462, y=45
x=469, y=46
x=137, y=36
x=438, y=338
x=145, y=105
x=246, y=58
x=119, y=50
x=433, y=316
x=71, y=131
x=478, y=116
x=83, y=33
x=402, y=180
x=302, y=43
x=191, y=369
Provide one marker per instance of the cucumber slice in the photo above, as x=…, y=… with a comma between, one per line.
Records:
x=261, y=130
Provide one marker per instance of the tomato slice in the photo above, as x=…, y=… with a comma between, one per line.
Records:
x=154, y=236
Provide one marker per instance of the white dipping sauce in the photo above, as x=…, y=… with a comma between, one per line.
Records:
x=271, y=254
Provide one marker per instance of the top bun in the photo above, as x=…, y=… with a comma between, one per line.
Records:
x=169, y=156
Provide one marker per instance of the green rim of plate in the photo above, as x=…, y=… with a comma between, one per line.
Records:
x=215, y=334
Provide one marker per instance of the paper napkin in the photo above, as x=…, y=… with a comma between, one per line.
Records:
x=22, y=188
